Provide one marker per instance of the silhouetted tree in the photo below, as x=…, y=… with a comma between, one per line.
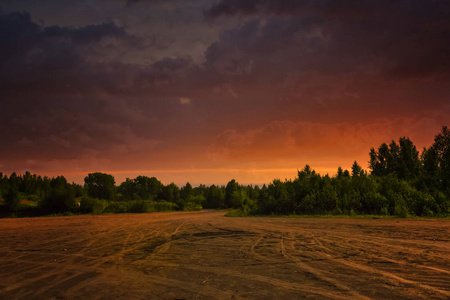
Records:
x=170, y=193
x=100, y=185
x=12, y=197
x=61, y=197
x=430, y=168
x=215, y=197
x=148, y=187
x=356, y=169
x=441, y=147
x=408, y=162
x=232, y=186
x=401, y=160
x=186, y=192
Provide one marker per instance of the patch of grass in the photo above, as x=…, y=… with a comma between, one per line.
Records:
x=241, y=213
x=236, y=213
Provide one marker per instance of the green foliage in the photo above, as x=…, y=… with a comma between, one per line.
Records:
x=170, y=193
x=215, y=197
x=401, y=160
x=186, y=192
x=140, y=188
x=61, y=198
x=140, y=206
x=160, y=206
x=12, y=198
x=89, y=205
x=356, y=169
x=194, y=203
x=401, y=184
x=100, y=185
x=232, y=186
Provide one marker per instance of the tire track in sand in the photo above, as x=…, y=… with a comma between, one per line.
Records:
x=317, y=274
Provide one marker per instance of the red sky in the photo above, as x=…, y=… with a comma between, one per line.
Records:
x=206, y=91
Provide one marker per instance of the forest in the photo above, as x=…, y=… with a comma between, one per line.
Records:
x=401, y=182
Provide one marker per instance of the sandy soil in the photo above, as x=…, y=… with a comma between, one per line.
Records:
x=204, y=255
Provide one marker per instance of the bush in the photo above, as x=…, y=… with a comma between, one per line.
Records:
x=384, y=211
x=426, y=212
x=192, y=206
x=401, y=211
x=61, y=197
x=12, y=199
x=116, y=207
x=139, y=206
x=89, y=205
x=164, y=206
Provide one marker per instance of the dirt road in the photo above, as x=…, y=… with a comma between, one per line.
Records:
x=204, y=255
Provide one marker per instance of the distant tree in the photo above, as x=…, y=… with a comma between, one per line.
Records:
x=79, y=190
x=129, y=190
x=430, y=164
x=232, y=186
x=61, y=197
x=215, y=197
x=148, y=187
x=356, y=169
x=378, y=160
x=408, y=162
x=100, y=185
x=401, y=160
x=29, y=184
x=441, y=147
x=339, y=172
x=238, y=198
x=170, y=193
x=186, y=192
x=4, y=184
x=278, y=193
x=12, y=197
x=307, y=170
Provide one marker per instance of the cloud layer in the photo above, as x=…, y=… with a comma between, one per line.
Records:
x=176, y=85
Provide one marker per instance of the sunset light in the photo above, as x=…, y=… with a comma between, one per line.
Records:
x=208, y=91
x=224, y=149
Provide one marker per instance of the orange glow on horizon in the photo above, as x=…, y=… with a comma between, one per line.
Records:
x=217, y=176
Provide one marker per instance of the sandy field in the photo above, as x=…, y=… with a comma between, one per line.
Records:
x=204, y=255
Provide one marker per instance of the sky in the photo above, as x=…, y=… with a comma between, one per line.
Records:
x=207, y=91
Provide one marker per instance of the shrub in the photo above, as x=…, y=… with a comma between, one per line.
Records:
x=116, y=207
x=12, y=199
x=164, y=206
x=384, y=211
x=89, y=205
x=139, y=206
x=426, y=212
x=401, y=211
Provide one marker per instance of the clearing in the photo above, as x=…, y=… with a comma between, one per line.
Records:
x=204, y=255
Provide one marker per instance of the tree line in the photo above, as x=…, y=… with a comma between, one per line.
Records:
x=402, y=182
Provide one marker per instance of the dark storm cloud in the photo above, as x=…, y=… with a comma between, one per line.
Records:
x=408, y=37
x=288, y=7
x=245, y=77
x=53, y=57
x=163, y=72
x=85, y=35
x=56, y=98
x=130, y=3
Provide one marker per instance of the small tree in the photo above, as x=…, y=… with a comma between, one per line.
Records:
x=186, y=192
x=12, y=198
x=61, y=197
x=100, y=185
x=232, y=187
x=356, y=169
